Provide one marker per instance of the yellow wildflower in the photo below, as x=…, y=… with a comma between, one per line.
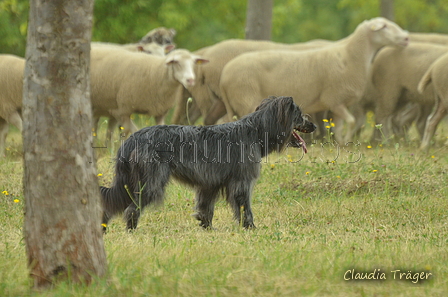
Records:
x=369, y=146
x=104, y=225
x=5, y=193
x=325, y=120
x=332, y=124
x=328, y=127
x=100, y=174
x=16, y=200
x=307, y=172
x=374, y=170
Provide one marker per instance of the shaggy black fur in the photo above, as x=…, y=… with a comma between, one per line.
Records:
x=212, y=159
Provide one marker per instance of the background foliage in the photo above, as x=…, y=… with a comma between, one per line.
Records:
x=200, y=23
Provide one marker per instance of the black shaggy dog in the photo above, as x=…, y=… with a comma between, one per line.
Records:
x=212, y=159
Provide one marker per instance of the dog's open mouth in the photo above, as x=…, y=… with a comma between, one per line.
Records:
x=300, y=142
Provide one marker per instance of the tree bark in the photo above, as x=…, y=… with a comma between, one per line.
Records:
x=259, y=19
x=63, y=232
x=387, y=9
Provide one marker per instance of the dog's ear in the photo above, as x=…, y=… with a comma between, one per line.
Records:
x=263, y=103
x=289, y=101
x=286, y=103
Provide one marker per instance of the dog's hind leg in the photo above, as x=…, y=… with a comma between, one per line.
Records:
x=239, y=196
x=150, y=188
x=205, y=205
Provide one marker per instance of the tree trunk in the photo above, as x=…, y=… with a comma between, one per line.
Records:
x=63, y=233
x=259, y=19
x=387, y=9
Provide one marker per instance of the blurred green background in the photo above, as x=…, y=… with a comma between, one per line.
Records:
x=200, y=23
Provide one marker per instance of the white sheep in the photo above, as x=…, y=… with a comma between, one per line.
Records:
x=151, y=48
x=206, y=92
x=124, y=82
x=148, y=48
x=437, y=38
x=157, y=42
x=437, y=74
x=11, y=84
x=395, y=77
x=329, y=78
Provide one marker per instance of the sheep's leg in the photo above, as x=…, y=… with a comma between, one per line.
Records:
x=126, y=124
x=424, y=114
x=181, y=108
x=217, y=111
x=205, y=205
x=160, y=120
x=4, y=127
x=111, y=124
x=16, y=120
x=431, y=124
x=359, y=113
x=342, y=114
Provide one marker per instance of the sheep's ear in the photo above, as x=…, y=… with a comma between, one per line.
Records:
x=171, y=60
x=169, y=48
x=200, y=61
x=376, y=26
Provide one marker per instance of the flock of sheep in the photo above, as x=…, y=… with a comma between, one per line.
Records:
x=401, y=76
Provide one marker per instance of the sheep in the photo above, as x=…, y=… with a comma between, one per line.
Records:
x=437, y=74
x=148, y=48
x=124, y=82
x=157, y=42
x=151, y=48
x=206, y=92
x=436, y=38
x=329, y=78
x=11, y=84
x=395, y=77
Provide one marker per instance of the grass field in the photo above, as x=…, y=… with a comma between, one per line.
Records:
x=335, y=215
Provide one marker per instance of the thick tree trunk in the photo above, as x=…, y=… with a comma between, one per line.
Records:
x=387, y=9
x=63, y=212
x=259, y=19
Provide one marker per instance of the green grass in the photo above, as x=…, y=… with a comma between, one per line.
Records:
x=316, y=219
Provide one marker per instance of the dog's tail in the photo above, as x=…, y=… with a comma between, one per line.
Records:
x=115, y=200
x=118, y=197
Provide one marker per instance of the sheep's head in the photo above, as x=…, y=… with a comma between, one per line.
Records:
x=182, y=63
x=385, y=32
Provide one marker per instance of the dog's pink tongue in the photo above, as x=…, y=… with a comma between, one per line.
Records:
x=301, y=141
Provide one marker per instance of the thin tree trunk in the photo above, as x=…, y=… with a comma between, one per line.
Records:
x=259, y=19
x=387, y=9
x=63, y=212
